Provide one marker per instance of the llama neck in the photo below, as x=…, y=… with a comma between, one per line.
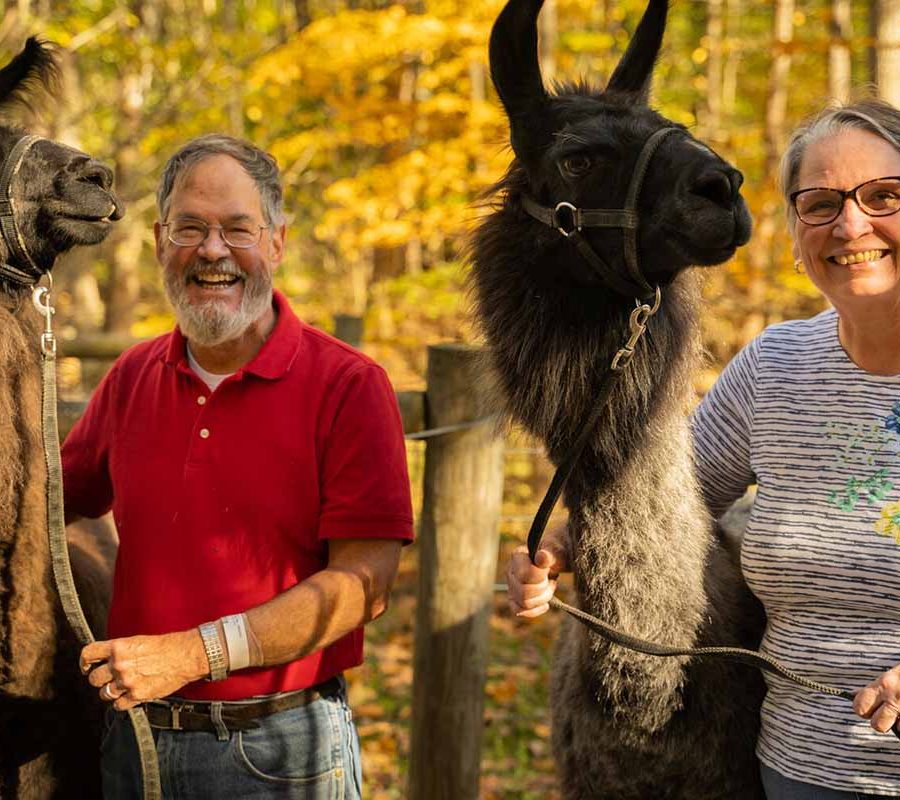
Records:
x=639, y=530
x=27, y=650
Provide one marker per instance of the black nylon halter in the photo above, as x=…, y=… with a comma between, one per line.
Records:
x=570, y=220
x=27, y=273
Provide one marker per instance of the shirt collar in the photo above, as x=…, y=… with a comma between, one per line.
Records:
x=274, y=358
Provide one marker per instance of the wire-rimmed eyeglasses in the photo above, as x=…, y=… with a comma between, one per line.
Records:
x=192, y=232
x=819, y=205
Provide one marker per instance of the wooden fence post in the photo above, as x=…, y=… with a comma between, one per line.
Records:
x=349, y=329
x=458, y=544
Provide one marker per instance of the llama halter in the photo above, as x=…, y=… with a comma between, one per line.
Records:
x=8, y=227
x=569, y=221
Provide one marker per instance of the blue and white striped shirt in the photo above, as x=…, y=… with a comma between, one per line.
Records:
x=821, y=438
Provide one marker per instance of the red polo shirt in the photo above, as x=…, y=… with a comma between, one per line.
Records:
x=223, y=500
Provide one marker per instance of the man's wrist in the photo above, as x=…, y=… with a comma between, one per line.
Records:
x=216, y=653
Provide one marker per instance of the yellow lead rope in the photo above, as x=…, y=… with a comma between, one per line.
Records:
x=56, y=531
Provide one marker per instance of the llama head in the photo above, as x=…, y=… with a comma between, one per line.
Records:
x=580, y=146
x=59, y=196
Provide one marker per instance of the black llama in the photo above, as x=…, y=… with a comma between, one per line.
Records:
x=555, y=311
x=50, y=718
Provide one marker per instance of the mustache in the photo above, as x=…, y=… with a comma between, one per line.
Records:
x=224, y=265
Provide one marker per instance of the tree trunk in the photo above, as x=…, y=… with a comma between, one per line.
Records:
x=734, y=14
x=548, y=35
x=714, y=72
x=839, y=69
x=888, y=50
x=776, y=102
x=762, y=255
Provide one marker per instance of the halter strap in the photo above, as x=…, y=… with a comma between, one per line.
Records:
x=27, y=273
x=569, y=220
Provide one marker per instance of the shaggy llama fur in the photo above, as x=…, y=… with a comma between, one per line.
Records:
x=647, y=558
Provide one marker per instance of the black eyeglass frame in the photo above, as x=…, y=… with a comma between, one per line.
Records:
x=844, y=193
x=220, y=228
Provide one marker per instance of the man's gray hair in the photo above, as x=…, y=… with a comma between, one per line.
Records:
x=872, y=115
x=257, y=163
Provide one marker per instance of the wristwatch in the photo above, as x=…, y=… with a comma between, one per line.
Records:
x=215, y=652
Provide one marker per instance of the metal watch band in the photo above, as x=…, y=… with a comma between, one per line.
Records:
x=215, y=651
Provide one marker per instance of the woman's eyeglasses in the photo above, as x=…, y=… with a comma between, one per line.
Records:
x=819, y=206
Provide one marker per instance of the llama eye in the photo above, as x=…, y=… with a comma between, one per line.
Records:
x=575, y=166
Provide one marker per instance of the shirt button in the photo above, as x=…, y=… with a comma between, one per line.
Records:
x=201, y=400
x=204, y=433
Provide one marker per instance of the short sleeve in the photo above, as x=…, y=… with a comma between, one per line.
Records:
x=364, y=484
x=722, y=430
x=85, y=454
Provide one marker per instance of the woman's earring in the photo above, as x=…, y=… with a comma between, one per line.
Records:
x=798, y=266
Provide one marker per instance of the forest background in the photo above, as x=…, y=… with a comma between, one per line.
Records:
x=387, y=129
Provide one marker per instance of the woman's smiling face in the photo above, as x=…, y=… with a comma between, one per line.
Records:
x=852, y=260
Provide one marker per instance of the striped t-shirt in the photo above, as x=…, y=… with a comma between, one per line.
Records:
x=821, y=438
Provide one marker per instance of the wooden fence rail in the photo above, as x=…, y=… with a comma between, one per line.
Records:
x=458, y=543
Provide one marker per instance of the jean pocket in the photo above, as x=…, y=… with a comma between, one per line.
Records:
x=299, y=746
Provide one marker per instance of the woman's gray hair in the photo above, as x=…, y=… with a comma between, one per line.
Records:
x=257, y=163
x=872, y=115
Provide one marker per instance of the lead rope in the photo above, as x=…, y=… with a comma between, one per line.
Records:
x=56, y=531
x=637, y=327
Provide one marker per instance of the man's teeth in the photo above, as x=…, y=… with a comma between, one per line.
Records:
x=215, y=277
x=859, y=258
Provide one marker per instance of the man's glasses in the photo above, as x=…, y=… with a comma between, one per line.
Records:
x=819, y=206
x=191, y=233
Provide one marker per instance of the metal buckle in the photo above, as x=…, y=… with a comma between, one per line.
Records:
x=637, y=324
x=572, y=212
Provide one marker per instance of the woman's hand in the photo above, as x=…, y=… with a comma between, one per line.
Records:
x=879, y=702
x=532, y=585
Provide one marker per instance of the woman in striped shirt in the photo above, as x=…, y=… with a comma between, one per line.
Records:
x=809, y=411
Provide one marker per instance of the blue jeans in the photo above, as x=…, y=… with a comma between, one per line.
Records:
x=305, y=753
x=778, y=787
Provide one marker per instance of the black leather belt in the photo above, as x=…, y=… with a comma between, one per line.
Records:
x=191, y=715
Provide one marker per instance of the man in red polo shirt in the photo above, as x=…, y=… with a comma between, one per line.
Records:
x=256, y=471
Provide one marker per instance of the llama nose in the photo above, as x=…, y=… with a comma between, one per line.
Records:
x=718, y=186
x=97, y=173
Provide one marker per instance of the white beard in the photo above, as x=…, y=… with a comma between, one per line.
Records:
x=211, y=323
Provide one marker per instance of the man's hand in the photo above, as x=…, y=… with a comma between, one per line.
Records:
x=530, y=585
x=879, y=702
x=140, y=668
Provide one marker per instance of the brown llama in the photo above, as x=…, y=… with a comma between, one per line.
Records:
x=50, y=719
x=647, y=558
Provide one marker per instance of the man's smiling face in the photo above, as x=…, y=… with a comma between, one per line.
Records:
x=218, y=291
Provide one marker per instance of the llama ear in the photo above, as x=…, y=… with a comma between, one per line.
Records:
x=517, y=76
x=634, y=71
x=35, y=64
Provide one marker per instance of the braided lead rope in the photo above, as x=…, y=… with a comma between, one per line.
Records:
x=56, y=532
x=751, y=658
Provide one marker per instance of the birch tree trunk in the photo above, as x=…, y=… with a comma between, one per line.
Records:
x=776, y=101
x=887, y=43
x=762, y=254
x=734, y=11
x=715, y=29
x=548, y=37
x=839, y=69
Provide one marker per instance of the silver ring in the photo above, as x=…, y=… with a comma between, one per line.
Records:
x=106, y=691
